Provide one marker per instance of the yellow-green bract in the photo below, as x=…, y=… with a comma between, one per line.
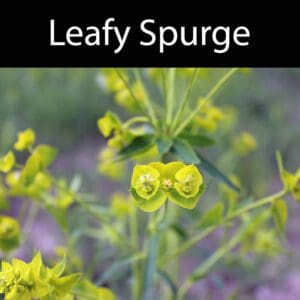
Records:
x=24, y=281
x=25, y=140
x=7, y=162
x=153, y=184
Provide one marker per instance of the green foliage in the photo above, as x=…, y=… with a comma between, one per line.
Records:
x=165, y=138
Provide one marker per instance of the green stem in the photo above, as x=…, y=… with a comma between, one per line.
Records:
x=138, y=119
x=210, y=262
x=150, y=267
x=148, y=104
x=256, y=204
x=220, y=83
x=207, y=98
x=124, y=80
x=100, y=219
x=164, y=84
x=170, y=95
x=185, y=100
x=136, y=285
x=32, y=213
x=154, y=228
x=24, y=208
x=197, y=238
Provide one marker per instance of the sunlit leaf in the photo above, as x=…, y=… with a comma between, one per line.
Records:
x=7, y=162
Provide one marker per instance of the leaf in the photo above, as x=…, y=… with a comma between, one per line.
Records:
x=280, y=214
x=63, y=285
x=108, y=123
x=86, y=290
x=289, y=180
x=164, y=144
x=168, y=280
x=7, y=162
x=212, y=217
x=185, y=152
x=152, y=204
x=214, y=172
x=59, y=268
x=180, y=231
x=46, y=155
x=188, y=203
x=39, y=160
x=137, y=146
x=197, y=139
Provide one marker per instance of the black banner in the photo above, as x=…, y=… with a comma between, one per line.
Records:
x=147, y=40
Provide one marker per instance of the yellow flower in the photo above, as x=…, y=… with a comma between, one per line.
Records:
x=145, y=181
x=153, y=184
x=25, y=140
x=188, y=182
x=7, y=162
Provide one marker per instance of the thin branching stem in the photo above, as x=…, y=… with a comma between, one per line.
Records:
x=205, y=100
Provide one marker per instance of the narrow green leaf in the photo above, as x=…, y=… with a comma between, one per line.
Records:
x=280, y=214
x=213, y=216
x=168, y=280
x=185, y=152
x=214, y=172
x=164, y=144
x=197, y=139
x=137, y=146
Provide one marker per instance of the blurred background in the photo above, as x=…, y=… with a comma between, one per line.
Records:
x=63, y=106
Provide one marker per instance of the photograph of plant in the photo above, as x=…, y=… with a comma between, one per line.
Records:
x=155, y=183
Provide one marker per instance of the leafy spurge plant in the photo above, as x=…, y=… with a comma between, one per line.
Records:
x=143, y=234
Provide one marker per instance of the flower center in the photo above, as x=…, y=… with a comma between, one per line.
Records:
x=187, y=184
x=147, y=181
x=167, y=183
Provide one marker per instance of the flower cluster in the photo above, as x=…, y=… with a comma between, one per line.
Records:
x=153, y=184
x=291, y=182
x=25, y=281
